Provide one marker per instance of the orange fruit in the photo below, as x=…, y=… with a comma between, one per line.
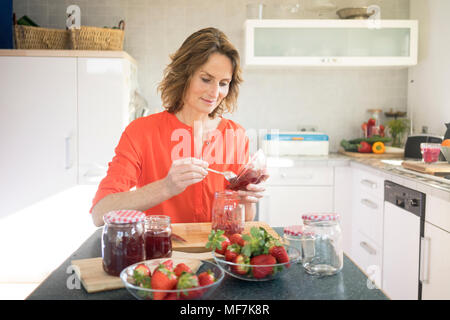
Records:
x=446, y=143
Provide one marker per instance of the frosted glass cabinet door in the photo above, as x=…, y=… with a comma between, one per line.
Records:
x=331, y=42
x=38, y=137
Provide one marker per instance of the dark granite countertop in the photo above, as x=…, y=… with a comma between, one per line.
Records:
x=350, y=284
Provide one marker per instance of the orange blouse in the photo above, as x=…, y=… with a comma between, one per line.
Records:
x=145, y=153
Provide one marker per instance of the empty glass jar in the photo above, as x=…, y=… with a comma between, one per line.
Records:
x=293, y=234
x=227, y=213
x=322, y=252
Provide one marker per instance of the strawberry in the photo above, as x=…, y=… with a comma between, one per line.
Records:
x=163, y=279
x=142, y=270
x=242, y=264
x=205, y=278
x=180, y=268
x=142, y=276
x=168, y=264
x=263, y=259
x=187, y=281
x=280, y=254
x=237, y=238
x=218, y=241
x=232, y=251
x=171, y=296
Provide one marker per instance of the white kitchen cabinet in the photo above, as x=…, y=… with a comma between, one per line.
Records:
x=38, y=131
x=62, y=117
x=367, y=223
x=368, y=256
x=291, y=192
x=343, y=204
x=331, y=43
x=435, y=263
x=104, y=87
x=368, y=205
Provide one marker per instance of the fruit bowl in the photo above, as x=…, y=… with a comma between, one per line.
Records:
x=258, y=272
x=446, y=153
x=128, y=277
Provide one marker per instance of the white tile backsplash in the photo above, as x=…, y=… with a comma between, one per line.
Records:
x=285, y=98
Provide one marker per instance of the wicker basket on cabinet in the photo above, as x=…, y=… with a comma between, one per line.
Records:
x=27, y=37
x=94, y=38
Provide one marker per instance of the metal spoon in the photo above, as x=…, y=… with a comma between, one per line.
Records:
x=229, y=175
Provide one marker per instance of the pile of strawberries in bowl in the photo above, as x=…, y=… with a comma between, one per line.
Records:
x=172, y=279
x=257, y=256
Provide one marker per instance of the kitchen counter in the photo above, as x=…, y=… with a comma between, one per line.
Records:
x=436, y=186
x=349, y=284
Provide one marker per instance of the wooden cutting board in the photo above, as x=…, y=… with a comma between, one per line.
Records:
x=440, y=168
x=196, y=234
x=95, y=279
x=386, y=155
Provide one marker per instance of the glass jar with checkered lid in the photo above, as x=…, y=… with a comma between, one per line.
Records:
x=123, y=241
x=322, y=232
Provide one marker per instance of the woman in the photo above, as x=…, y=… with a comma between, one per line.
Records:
x=165, y=155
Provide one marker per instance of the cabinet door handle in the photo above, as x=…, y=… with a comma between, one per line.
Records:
x=370, y=204
x=424, y=259
x=68, y=155
x=369, y=183
x=368, y=248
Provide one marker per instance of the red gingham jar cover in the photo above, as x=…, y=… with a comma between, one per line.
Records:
x=315, y=217
x=124, y=216
x=294, y=230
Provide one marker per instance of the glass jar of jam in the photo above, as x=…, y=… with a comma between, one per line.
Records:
x=122, y=240
x=158, y=232
x=322, y=252
x=227, y=213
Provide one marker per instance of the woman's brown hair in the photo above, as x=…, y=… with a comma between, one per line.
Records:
x=193, y=53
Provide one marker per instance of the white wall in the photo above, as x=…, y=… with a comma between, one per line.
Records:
x=335, y=101
x=429, y=94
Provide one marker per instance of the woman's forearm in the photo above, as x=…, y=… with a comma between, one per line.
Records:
x=140, y=199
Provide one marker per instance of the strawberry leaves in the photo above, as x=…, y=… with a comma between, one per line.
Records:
x=259, y=241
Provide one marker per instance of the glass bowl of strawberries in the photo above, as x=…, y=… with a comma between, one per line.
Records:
x=172, y=279
x=257, y=256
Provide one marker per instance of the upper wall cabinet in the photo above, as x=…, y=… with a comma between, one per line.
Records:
x=336, y=43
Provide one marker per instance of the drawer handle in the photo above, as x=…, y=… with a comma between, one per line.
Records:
x=368, y=248
x=303, y=176
x=370, y=204
x=369, y=183
x=424, y=259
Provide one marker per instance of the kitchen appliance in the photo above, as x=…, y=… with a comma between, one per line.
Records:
x=404, y=221
x=412, y=146
x=447, y=133
x=295, y=143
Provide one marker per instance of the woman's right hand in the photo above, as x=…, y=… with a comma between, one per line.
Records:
x=183, y=173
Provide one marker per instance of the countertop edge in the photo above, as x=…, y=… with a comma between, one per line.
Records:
x=66, y=53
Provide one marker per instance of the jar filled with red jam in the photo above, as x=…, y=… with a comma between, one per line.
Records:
x=122, y=240
x=227, y=213
x=158, y=233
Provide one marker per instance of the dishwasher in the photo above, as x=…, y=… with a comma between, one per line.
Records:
x=403, y=228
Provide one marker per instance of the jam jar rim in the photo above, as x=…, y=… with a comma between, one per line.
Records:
x=224, y=193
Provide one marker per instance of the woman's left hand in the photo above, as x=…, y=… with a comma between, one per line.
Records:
x=252, y=194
